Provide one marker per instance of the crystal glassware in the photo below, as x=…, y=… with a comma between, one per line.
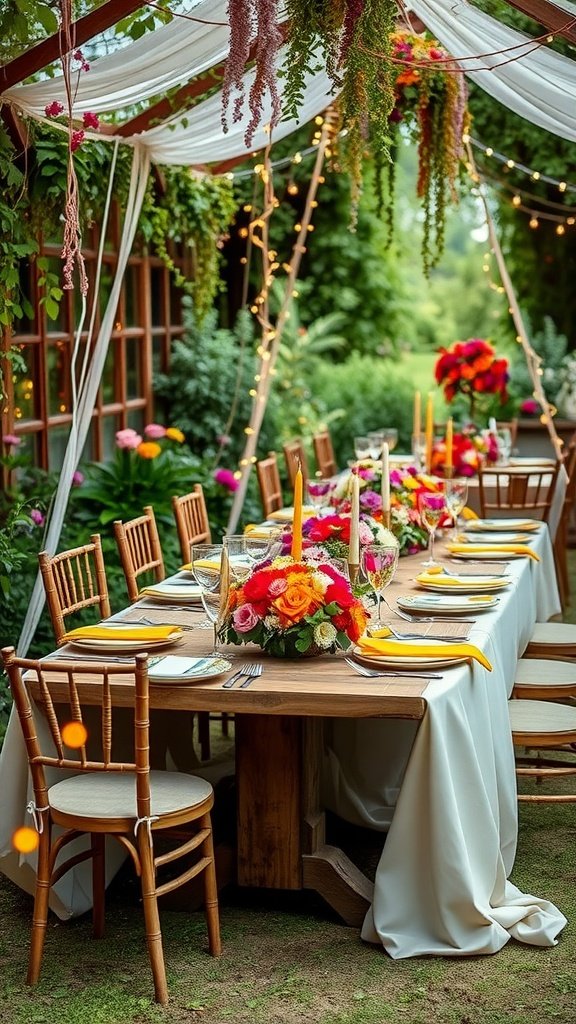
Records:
x=376, y=440
x=362, y=448
x=320, y=490
x=390, y=437
x=379, y=562
x=504, y=442
x=206, y=561
x=456, y=495
x=432, y=507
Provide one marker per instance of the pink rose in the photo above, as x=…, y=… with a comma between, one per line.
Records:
x=128, y=438
x=154, y=431
x=11, y=440
x=245, y=618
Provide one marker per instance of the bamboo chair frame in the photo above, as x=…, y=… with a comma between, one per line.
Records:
x=295, y=458
x=528, y=491
x=269, y=483
x=192, y=524
x=324, y=454
x=122, y=827
x=139, y=548
x=73, y=580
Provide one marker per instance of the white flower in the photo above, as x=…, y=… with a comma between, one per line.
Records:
x=272, y=622
x=400, y=515
x=325, y=635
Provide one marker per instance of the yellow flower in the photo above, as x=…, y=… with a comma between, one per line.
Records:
x=149, y=449
x=175, y=435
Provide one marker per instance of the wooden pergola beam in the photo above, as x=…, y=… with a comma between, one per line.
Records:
x=548, y=15
x=50, y=49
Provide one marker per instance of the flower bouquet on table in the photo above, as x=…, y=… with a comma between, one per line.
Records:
x=472, y=369
x=330, y=535
x=294, y=609
x=470, y=449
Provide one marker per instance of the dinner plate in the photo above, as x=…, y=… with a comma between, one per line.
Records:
x=497, y=525
x=410, y=661
x=448, y=605
x=127, y=646
x=527, y=461
x=470, y=585
x=178, y=592
x=491, y=556
x=500, y=538
x=174, y=669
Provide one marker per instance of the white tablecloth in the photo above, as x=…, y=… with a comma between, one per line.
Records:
x=446, y=791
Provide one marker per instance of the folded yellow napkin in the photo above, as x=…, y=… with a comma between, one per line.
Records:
x=202, y=563
x=260, y=532
x=128, y=632
x=468, y=513
x=429, y=578
x=517, y=549
x=404, y=649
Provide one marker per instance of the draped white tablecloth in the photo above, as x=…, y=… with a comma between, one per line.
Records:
x=445, y=790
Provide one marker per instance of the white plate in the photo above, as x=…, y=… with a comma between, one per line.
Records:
x=128, y=646
x=174, y=669
x=286, y=515
x=447, y=605
x=178, y=592
x=497, y=525
x=491, y=556
x=473, y=585
x=411, y=661
x=527, y=461
x=500, y=538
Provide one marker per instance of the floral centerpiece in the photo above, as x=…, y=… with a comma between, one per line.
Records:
x=405, y=487
x=470, y=449
x=330, y=534
x=472, y=369
x=291, y=609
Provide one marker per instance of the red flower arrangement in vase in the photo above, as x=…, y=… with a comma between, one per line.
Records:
x=472, y=368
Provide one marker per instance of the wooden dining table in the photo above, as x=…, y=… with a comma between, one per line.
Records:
x=312, y=734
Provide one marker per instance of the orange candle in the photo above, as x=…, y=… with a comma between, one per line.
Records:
x=449, y=463
x=296, y=551
x=429, y=431
x=354, y=543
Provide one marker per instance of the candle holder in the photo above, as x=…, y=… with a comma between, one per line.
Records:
x=386, y=518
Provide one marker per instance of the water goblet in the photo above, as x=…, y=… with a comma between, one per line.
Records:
x=456, y=495
x=376, y=440
x=206, y=564
x=362, y=448
x=379, y=562
x=432, y=507
x=320, y=490
x=390, y=437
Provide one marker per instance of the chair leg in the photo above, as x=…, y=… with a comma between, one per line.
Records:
x=151, y=915
x=211, y=890
x=225, y=720
x=40, y=913
x=204, y=734
x=98, y=841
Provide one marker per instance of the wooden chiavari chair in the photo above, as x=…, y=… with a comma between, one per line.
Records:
x=122, y=799
x=324, y=454
x=269, y=484
x=507, y=489
x=74, y=580
x=192, y=523
x=295, y=458
x=139, y=549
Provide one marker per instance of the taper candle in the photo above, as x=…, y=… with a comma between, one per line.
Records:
x=449, y=461
x=354, y=544
x=385, y=478
x=429, y=431
x=296, y=550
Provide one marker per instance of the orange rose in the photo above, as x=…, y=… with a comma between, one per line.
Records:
x=299, y=599
x=358, y=620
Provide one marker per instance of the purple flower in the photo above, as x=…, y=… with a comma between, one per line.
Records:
x=226, y=478
x=11, y=440
x=77, y=478
x=37, y=517
x=395, y=478
x=154, y=431
x=371, y=501
x=245, y=618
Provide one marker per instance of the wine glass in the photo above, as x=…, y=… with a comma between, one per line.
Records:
x=504, y=442
x=376, y=440
x=320, y=490
x=432, y=508
x=206, y=563
x=362, y=448
x=379, y=562
x=245, y=552
x=456, y=494
x=390, y=437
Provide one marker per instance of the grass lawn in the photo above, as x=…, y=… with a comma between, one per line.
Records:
x=288, y=960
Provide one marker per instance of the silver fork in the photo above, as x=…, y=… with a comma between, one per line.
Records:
x=374, y=673
x=255, y=671
x=244, y=670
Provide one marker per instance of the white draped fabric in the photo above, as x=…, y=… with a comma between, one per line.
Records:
x=540, y=85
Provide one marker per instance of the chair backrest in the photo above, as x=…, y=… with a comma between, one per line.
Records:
x=324, y=454
x=569, y=462
x=139, y=549
x=269, y=484
x=47, y=742
x=295, y=457
x=527, y=490
x=74, y=580
x=192, y=522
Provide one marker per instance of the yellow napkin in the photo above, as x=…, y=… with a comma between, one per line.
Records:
x=261, y=532
x=285, y=515
x=517, y=549
x=202, y=563
x=128, y=632
x=428, y=578
x=403, y=649
x=468, y=513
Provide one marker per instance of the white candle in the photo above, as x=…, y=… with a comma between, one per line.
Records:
x=354, y=546
x=385, y=478
x=492, y=425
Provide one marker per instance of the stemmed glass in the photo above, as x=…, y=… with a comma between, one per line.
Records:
x=379, y=562
x=206, y=563
x=456, y=494
x=362, y=448
x=320, y=490
x=504, y=442
x=246, y=552
x=432, y=507
x=376, y=439
x=390, y=437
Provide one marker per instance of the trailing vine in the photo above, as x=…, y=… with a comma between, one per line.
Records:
x=195, y=210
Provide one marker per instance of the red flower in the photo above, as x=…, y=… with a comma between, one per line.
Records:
x=53, y=109
x=76, y=140
x=90, y=120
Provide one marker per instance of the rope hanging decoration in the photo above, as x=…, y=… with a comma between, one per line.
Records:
x=72, y=243
x=272, y=333
x=533, y=360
